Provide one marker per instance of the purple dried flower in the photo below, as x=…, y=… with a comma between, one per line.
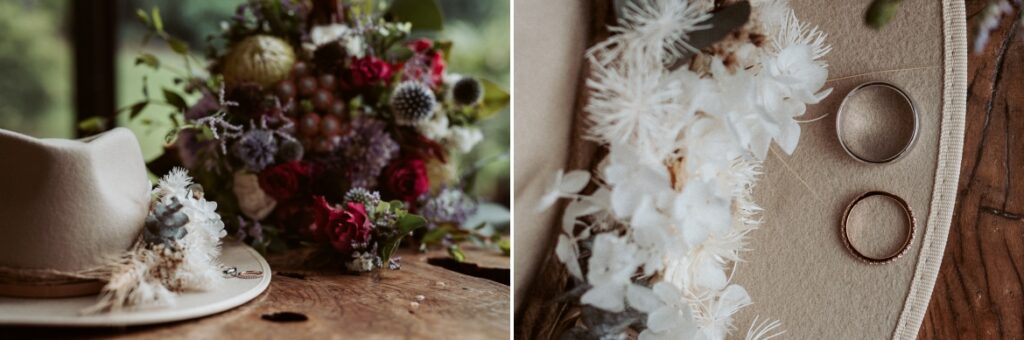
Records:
x=365, y=150
x=450, y=205
x=206, y=106
x=255, y=149
x=251, y=230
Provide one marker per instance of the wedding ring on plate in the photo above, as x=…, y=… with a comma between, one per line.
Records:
x=908, y=239
x=877, y=123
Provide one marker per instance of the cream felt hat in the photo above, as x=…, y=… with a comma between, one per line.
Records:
x=70, y=208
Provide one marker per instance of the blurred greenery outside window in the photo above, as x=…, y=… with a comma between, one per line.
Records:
x=35, y=64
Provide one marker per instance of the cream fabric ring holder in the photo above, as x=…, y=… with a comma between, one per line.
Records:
x=869, y=139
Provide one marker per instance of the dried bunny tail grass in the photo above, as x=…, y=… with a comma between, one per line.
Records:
x=136, y=279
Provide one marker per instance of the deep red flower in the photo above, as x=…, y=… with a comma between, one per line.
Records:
x=437, y=68
x=369, y=70
x=341, y=228
x=405, y=179
x=421, y=45
x=286, y=180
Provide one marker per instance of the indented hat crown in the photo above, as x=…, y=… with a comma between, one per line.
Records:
x=70, y=204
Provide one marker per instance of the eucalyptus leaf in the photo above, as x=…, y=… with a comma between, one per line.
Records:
x=435, y=235
x=489, y=213
x=422, y=14
x=179, y=46
x=456, y=253
x=506, y=246
x=495, y=99
x=409, y=223
x=142, y=16
x=405, y=225
x=158, y=23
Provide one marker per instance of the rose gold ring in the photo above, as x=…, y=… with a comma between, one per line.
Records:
x=912, y=222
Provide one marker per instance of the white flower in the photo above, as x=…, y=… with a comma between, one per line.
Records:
x=718, y=319
x=174, y=183
x=612, y=264
x=435, y=128
x=361, y=262
x=349, y=38
x=635, y=104
x=668, y=315
x=702, y=211
x=463, y=138
x=710, y=147
x=252, y=201
x=324, y=34
x=633, y=179
x=661, y=26
x=564, y=184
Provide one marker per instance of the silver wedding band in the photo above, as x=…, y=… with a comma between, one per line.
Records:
x=842, y=110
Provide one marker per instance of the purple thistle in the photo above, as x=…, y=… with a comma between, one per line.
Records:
x=365, y=150
x=255, y=149
x=450, y=205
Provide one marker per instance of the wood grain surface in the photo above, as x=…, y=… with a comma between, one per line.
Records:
x=453, y=306
x=979, y=293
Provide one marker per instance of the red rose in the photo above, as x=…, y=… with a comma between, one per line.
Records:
x=285, y=180
x=437, y=68
x=369, y=70
x=341, y=228
x=405, y=179
x=420, y=45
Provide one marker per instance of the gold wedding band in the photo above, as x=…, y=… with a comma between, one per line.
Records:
x=844, y=232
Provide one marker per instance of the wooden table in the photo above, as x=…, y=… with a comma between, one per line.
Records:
x=420, y=301
x=979, y=293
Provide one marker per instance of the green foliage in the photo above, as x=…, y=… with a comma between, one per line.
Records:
x=495, y=99
x=881, y=12
x=406, y=224
x=422, y=14
x=456, y=253
x=35, y=64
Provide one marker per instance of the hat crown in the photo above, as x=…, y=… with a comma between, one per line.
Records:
x=70, y=204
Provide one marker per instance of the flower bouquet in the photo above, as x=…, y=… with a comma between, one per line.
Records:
x=325, y=123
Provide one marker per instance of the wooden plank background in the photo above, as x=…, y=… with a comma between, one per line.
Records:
x=979, y=293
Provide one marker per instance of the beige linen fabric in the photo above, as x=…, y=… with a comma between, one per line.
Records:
x=798, y=270
x=549, y=45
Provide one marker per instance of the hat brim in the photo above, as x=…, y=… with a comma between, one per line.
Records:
x=188, y=305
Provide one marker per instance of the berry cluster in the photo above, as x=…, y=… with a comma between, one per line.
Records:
x=320, y=114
